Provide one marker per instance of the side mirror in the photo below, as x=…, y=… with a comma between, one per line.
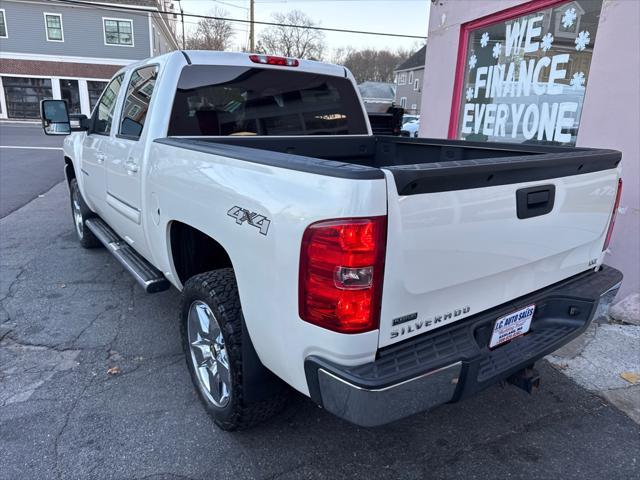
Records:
x=57, y=121
x=55, y=117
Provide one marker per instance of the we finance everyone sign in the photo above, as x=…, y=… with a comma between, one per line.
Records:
x=525, y=77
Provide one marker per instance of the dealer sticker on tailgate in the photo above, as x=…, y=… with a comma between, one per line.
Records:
x=511, y=326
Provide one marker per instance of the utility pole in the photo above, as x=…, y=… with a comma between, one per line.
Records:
x=252, y=35
x=182, y=21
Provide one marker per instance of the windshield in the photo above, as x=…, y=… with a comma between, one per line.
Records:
x=231, y=100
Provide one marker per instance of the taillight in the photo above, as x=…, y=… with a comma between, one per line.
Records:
x=341, y=272
x=612, y=221
x=273, y=60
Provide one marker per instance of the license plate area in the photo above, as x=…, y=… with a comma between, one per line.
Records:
x=511, y=326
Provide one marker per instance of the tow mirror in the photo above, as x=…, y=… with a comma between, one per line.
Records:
x=55, y=117
x=57, y=121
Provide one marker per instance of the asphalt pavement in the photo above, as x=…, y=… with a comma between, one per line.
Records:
x=30, y=164
x=69, y=315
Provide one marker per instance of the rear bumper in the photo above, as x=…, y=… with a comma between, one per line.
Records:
x=453, y=362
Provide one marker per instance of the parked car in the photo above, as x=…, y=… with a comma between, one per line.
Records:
x=410, y=129
x=409, y=118
x=378, y=275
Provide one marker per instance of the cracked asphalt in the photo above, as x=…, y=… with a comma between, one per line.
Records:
x=68, y=315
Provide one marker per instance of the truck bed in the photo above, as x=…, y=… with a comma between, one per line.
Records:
x=418, y=165
x=470, y=226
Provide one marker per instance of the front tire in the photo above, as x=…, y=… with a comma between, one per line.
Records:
x=80, y=213
x=212, y=336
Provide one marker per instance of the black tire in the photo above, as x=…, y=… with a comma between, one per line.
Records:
x=80, y=209
x=218, y=290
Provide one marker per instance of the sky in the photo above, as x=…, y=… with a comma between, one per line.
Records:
x=406, y=17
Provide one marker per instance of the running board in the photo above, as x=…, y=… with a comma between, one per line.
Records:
x=148, y=276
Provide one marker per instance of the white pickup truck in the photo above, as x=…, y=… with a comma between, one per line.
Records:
x=378, y=275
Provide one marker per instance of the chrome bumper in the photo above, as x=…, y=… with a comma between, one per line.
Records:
x=377, y=406
x=454, y=362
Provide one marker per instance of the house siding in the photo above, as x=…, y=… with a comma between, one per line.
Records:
x=33, y=68
x=83, y=31
x=160, y=42
x=407, y=90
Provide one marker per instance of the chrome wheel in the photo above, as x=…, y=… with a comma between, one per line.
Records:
x=77, y=215
x=209, y=354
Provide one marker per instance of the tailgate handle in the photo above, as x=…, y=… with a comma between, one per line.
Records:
x=535, y=201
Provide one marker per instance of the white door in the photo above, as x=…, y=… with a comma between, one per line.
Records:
x=92, y=167
x=124, y=156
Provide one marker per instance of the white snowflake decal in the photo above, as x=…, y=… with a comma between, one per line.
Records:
x=472, y=61
x=547, y=42
x=469, y=94
x=496, y=50
x=569, y=17
x=582, y=40
x=484, y=40
x=577, y=81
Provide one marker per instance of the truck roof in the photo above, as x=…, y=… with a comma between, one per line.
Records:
x=210, y=57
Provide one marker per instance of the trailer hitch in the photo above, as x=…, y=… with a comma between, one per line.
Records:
x=528, y=379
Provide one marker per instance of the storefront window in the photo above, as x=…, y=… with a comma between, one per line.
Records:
x=23, y=95
x=95, y=89
x=524, y=78
x=71, y=94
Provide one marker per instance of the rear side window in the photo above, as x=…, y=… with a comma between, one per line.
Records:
x=106, y=106
x=231, y=100
x=136, y=103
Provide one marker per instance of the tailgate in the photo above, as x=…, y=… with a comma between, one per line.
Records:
x=467, y=236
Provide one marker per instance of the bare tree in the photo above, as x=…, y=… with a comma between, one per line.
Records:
x=340, y=54
x=292, y=41
x=212, y=33
x=371, y=65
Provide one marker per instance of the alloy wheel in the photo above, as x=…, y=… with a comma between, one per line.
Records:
x=209, y=354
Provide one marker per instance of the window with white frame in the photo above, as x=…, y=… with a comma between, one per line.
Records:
x=416, y=84
x=410, y=78
x=403, y=102
x=402, y=79
x=414, y=106
x=3, y=24
x=118, y=32
x=53, y=27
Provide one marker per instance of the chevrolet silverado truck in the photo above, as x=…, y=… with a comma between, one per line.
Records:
x=378, y=275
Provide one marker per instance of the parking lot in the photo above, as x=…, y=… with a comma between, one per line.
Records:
x=70, y=316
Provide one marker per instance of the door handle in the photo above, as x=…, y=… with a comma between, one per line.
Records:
x=100, y=157
x=131, y=166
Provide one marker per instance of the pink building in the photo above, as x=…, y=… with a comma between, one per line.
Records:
x=563, y=72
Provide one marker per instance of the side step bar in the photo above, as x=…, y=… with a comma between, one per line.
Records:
x=148, y=276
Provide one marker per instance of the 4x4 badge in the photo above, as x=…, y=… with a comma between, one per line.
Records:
x=243, y=215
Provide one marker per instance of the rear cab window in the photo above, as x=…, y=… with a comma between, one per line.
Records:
x=232, y=100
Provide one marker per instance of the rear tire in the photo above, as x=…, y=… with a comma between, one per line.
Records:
x=212, y=337
x=80, y=213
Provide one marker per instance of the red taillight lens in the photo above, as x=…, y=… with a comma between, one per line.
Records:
x=273, y=60
x=341, y=272
x=612, y=221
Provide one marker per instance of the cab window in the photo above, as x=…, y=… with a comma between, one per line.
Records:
x=235, y=100
x=136, y=103
x=106, y=106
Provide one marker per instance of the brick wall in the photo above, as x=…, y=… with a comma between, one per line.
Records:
x=56, y=69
